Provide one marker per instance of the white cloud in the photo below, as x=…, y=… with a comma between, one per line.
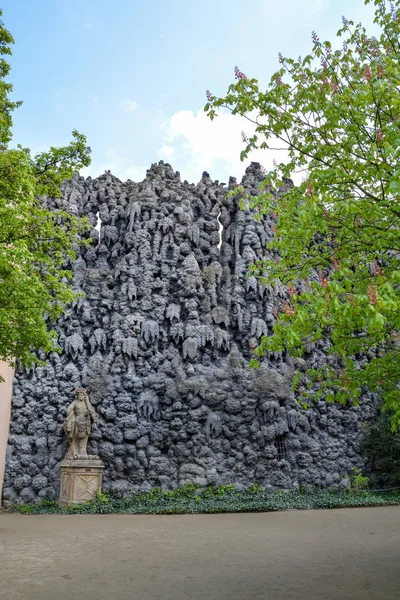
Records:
x=128, y=106
x=193, y=144
x=198, y=144
x=166, y=152
x=119, y=165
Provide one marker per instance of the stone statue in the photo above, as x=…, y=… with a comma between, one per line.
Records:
x=78, y=424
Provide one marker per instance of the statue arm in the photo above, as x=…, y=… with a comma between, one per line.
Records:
x=70, y=408
x=68, y=423
x=91, y=410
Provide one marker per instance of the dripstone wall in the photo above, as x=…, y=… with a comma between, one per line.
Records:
x=162, y=339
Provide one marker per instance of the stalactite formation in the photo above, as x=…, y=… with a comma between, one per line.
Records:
x=162, y=339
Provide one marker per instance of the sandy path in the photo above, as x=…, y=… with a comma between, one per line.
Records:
x=347, y=554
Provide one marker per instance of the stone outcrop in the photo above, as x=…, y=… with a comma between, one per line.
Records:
x=161, y=341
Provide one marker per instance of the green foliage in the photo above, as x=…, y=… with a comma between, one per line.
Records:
x=381, y=446
x=336, y=248
x=189, y=499
x=360, y=483
x=357, y=483
x=102, y=498
x=36, y=245
x=225, y=490
x=255, y=489
x=26, y=509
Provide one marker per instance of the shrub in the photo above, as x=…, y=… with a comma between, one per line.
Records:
x=381, y=447
x=224, y=499
x=357, y=483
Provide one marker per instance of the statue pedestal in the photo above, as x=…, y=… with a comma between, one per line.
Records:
x=80, y=480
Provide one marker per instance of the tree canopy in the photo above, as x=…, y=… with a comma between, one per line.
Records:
x=36, y=245
x=337, y=242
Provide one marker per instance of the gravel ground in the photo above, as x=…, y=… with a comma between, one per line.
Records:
x=347, y=554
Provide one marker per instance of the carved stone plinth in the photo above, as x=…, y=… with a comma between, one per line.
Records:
x=80, y=480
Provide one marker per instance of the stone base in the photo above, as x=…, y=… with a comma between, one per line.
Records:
x=80, y=479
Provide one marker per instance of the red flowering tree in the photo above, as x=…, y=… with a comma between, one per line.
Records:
x=337, y=244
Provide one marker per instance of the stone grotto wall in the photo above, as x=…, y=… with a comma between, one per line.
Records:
x=162, y=339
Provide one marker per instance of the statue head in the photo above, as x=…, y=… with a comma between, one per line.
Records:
x=80, y=394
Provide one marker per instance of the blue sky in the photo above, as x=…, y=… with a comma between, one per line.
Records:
x=132, y=74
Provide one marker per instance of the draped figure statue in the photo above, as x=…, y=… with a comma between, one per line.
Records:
x=78, y=424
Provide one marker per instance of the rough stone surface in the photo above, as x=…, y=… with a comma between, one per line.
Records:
x=162, y=339
x=80, y=480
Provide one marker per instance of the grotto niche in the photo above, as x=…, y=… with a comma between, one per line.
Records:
x=162, y=340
